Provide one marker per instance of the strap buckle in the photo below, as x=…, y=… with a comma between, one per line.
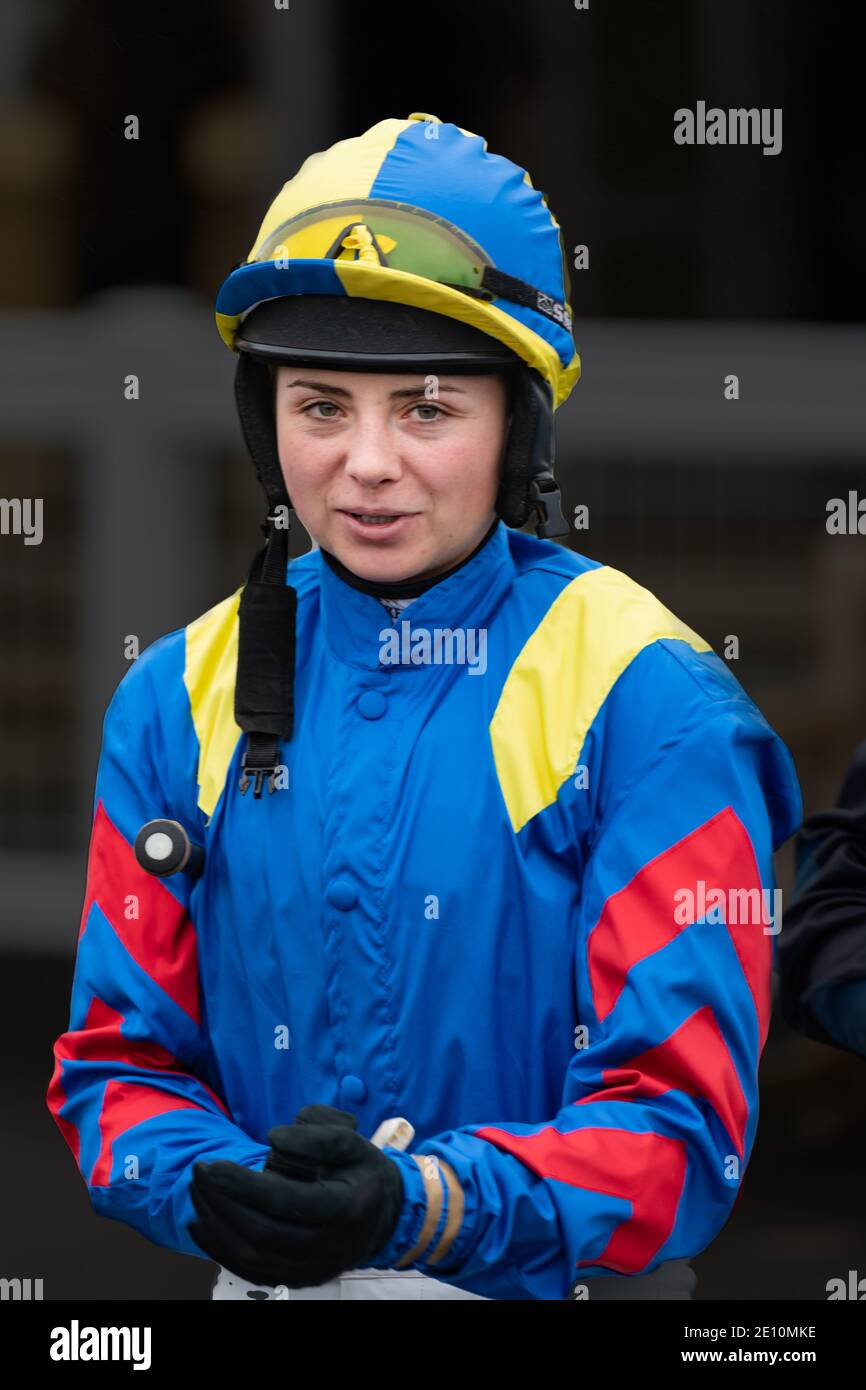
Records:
x=546, y=498
x=269, y=770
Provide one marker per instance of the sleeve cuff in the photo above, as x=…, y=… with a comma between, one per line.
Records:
x=459, y=1248
x=412, y=1214
x=410, y=1225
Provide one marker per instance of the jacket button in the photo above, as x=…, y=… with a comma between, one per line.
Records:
x=352, y=1089
x=343, y=894
x=372, y=704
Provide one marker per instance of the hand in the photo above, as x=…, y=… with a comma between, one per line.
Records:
x=326, y=1201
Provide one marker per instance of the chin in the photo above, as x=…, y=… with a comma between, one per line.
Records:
x=385, y=563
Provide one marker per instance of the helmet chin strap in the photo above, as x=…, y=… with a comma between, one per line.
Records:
x=400, y=588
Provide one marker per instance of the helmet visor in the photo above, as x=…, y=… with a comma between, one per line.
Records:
x=407, y=238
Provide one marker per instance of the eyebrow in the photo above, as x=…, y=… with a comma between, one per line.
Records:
x=401, y=393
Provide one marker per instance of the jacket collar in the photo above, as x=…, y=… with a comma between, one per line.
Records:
x=353, y=622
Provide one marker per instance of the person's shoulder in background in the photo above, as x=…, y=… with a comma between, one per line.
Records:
x=822, y=946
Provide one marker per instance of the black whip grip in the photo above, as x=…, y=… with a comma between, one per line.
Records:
x=163, y=847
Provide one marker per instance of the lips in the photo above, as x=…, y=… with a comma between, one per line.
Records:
x=377, y=525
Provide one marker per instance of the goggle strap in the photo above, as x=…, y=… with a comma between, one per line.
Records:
x=519, y=292
x=495, y=284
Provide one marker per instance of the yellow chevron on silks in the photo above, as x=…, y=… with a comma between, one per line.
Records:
x=210, y=671
x=562, y=677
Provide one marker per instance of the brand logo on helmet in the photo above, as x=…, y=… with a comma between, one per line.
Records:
x=554, y=310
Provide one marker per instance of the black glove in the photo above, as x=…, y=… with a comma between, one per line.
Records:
x=326, y=1201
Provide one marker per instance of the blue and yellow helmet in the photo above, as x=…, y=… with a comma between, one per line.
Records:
x=419, y=213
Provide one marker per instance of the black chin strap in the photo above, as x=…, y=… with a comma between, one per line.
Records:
x=264, y=686
x=264, y=682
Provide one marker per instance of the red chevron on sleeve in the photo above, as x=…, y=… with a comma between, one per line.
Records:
x=101, y=1040
x=126, y=1104
x=639, y=919
x=57, y=1098
x=161, y=939
x=648, y=1170
x=694, y=1059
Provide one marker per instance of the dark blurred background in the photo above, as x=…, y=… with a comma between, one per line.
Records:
x=703, y=261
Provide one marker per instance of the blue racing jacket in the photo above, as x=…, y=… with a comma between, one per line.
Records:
x=515, y=884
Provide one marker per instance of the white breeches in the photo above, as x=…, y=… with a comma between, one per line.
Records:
x=673, y=1280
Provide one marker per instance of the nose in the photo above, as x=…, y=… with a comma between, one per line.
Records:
x=372, y=453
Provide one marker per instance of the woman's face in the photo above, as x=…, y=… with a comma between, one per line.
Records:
x=357, y=446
